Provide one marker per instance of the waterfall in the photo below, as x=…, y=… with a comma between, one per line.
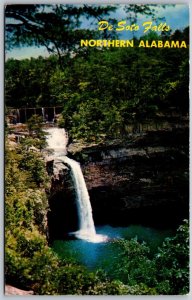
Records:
x=57, y=140
x=86, y=224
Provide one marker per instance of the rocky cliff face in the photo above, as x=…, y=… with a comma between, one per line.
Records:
x=62, y=215
x=141, y=179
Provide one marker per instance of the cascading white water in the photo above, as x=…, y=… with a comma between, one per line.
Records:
x=86, y=224
x=57, y=140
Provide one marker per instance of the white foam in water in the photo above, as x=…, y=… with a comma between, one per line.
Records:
x=93, y=238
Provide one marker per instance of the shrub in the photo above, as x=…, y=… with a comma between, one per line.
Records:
x=134, y=265
x=172, y=263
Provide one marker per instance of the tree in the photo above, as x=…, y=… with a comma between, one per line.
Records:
x=102, y=91
x=172, y=263
x=33, y=90
x=131, y=270
x=59, y=27
x=56, y=27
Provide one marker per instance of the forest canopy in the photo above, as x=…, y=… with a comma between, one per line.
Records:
x=103, y=90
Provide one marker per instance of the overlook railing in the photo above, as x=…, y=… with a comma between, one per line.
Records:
x=50, y=115
x=22, y=115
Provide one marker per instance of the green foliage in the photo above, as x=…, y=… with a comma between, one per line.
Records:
x=166, y=273
x=33, y=89
x=25, y=212
x=25, y=203
x=131, y=270
x=103, y=91
x=33, y=163
x=46, y=25
x=141, y=289
x=55, y=27
x=172, y=263
x=31, y=264
x=61, y=121
x=35, y=127
x=13, y=181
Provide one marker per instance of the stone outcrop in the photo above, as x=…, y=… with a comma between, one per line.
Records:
x=143, y=178
x=62, y=214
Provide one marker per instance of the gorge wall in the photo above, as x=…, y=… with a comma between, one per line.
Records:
x=141, y=179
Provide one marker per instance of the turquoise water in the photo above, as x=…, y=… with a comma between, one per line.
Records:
x=102, y=255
